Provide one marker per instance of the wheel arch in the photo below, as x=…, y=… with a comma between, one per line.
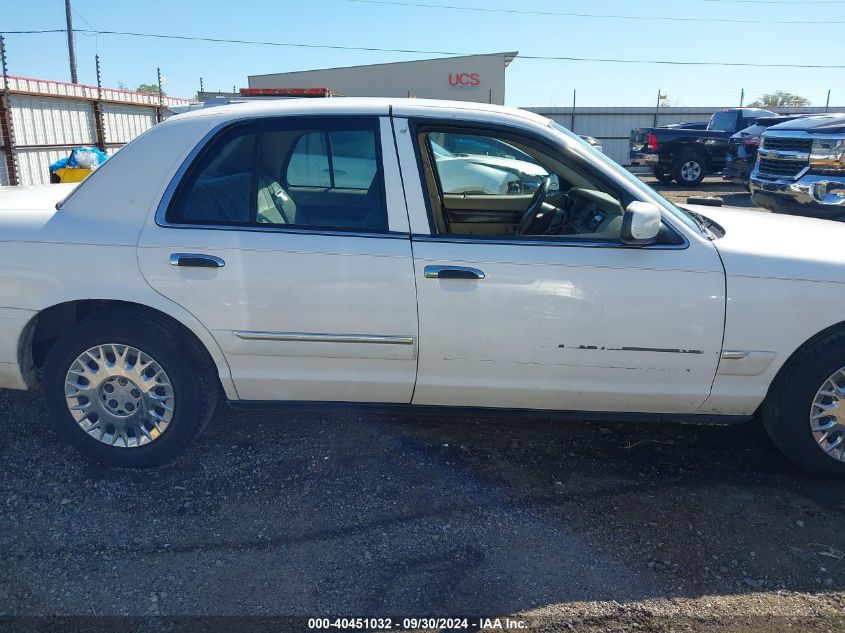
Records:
x=697, y=149
x=836, y=328
x=45, y=327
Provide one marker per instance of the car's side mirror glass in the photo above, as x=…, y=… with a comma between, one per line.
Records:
x=641, y=224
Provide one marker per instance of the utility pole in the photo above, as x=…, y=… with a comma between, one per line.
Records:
x=160, y=99
x=827, y=103
x=572, y=119
x=656, y=108
x=741, y=97
x=201, y=87
x=71, y=53
x=99, y=122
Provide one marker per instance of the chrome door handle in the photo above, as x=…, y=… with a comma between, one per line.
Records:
x=452, y=272
x=196, y=260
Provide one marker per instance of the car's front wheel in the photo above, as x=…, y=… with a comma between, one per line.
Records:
x=127, y=390
x=804, y=412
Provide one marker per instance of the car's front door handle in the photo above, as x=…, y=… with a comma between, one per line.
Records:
x=452, y=272
x=196, y=260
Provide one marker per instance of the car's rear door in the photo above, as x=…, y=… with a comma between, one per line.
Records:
x=289, y=240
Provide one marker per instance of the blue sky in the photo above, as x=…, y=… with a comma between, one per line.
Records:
x=529, y=83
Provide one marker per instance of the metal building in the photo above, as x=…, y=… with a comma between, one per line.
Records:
x=42, y=120
x=467, y=78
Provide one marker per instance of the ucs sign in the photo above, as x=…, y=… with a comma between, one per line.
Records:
x=464, y=80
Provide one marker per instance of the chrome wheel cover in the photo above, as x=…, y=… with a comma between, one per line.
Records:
x=119, y=395
x=690, y=170
x=827, y=416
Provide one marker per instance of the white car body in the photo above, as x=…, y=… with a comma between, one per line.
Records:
x=698, y=330
x=459, y=174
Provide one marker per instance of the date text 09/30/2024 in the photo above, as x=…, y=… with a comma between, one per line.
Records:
x=410, y=624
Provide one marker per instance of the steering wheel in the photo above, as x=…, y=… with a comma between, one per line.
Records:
x=535, y=206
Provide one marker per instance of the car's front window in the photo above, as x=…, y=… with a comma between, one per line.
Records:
x=635, y=182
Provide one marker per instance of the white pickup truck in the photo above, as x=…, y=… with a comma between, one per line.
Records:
x=197, y=263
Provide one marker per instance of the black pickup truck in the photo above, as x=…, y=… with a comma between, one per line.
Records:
x=689, y=155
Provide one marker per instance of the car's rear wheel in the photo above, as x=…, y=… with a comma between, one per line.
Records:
x=688, y=169
x=661, y=174
x=804, y=412
x=127, y=390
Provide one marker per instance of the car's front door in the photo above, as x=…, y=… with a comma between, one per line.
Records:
x=560, y=315
x=289, y=240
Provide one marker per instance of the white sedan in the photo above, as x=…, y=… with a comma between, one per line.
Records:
x=197, y=263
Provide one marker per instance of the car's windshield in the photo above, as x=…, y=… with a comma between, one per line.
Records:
x=675, y=210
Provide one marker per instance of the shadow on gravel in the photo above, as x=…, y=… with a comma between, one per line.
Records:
x=350, y=514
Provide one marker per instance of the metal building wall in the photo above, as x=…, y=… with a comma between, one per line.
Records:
x=49, y=118
x=612, y=126
x=40, y=124
x=123, y=123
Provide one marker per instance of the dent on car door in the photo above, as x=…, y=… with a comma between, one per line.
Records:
x=303, y=274
x=564, y=317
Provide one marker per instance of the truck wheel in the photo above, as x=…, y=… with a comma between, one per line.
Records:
x=661, y=174
x=804, y=412
x=688, y=168
x=128, y=390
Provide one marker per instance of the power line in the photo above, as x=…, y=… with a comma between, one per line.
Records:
x=567, y=14
x=610, y=60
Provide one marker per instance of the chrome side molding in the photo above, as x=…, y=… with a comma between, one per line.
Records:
x=742, y=362
x=314, y=337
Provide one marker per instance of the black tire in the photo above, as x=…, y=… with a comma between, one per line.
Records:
x=786, y=410
x=661, y=174
x=680, y=172
x=191, y=374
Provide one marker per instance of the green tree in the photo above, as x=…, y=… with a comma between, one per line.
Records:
x=780, y=99
x=150, y=89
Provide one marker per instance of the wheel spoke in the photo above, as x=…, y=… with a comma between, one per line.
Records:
x=832, y=446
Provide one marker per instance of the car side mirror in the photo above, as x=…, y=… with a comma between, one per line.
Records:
x=641, y=224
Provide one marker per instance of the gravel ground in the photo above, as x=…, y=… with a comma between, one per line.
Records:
x=567, y=526
x=713, y=186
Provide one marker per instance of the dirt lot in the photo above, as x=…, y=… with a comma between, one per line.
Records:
x=588, y=527
x=712, y=186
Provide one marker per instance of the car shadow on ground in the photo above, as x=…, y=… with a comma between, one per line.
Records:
x=284, y=512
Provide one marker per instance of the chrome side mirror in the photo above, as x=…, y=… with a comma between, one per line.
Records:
x=641, y=224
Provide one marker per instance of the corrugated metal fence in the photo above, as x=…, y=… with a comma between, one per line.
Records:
x=612, y=126
x=49, y=118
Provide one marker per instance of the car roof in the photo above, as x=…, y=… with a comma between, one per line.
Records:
x=359, y=106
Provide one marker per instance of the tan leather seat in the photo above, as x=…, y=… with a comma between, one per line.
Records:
x=275, y=206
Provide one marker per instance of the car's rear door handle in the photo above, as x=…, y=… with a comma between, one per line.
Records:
x=196, y=260
x=452, y=272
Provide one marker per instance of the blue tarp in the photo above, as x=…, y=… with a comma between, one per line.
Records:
x=81, y=157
